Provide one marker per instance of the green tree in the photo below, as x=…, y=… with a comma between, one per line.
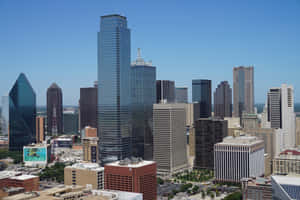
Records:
x=234, y=196
x=203, y=194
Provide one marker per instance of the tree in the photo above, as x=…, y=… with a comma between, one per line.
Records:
x=212, y=195
x=195, y=189
x=234, y=196
x=160, y=181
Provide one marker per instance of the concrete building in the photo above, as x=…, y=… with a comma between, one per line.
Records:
x=40, y=129
x=84, y=174
x=181, y=95
x=238, y=157
x=234, y=125
x=287, y=162
x=208, y=132
x=169, y=131
x=250, y=121
x=297, y=131
x=201, y=93
x=243, y=90
x=89, y=132
x=132, y=176
x=16, y=179
x=256, y=189
x=223, y=100
x=90, y=149
x=285, y=187
x=71, y=122
x=190, y=131
x=88, y=107
x=165, y=91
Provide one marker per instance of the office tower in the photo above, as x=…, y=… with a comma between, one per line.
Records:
x=132, y=176
x=238, y=157
x=54, y=110
x=165, y=91
x=169, y=133
x=279, y=114
x=202, y=94
x=181, y=95
x=88, y=107
x=114, y=93
x=90, y=149
x=243, y=90
x=143, y=92
x=285, y=187
x=71, y=125
x=223, y=100
x=5, y=115
x=208, y=132
x=85, y=173
x=22, y=113
x=190, y=130
x=40, y=129
x=89, y=132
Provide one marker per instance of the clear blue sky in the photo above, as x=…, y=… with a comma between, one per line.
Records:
x=56, y=41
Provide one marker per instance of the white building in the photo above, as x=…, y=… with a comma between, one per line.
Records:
x=285, y=187
x=238, y=157
x=279, y=114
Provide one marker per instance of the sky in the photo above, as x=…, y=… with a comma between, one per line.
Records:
x=56, y=41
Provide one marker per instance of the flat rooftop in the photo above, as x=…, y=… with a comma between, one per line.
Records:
x=24, y=177
x=241, y=140
x=287, y=180
x=130, y=164
x=87, y=166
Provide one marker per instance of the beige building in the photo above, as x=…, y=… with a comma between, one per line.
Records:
x=250, y=121
x=234, y=126
x=84, y=174
x=190, y=128
x=40, y=129
x=297, y=131
x=89, y=132
x=90, y=149
x=287, y=162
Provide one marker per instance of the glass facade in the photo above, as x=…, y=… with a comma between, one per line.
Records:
x=143, y=97
x=165, y=91
x=201, y=92
x=22, y=114
x=114, y=117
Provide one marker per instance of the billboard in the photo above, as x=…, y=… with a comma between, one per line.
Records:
x=35, y=154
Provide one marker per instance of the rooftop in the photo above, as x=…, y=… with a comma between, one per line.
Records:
x=132, y=163
x=87, y=166
x=287, y=180
x=23, y=177
x=241, y=140
x=113, y=15
x=8, y=174
x=295, y=152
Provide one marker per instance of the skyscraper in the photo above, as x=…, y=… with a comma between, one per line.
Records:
x=143, y=91
x=54, y=110
x=223, y=100
x=114, y=96
x=243, y=90
x=88, y=107
x=40, y=129
x=170, y=141
x=181, y=94
x=165, y=91
x=5, y=115
x=202, y=94
x=22, y=113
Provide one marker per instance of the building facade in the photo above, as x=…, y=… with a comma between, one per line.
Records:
x=287, y=162
x=22, y=114
x=143, y=91
x=165, y=91
x=114, y=96
x=181, y=94
x=71, y=122
x=90, y=149
x=208, y=132
x=85, y=173
x=40, y=129
x=243, y=90
x=132, y=176
x=223, y=100
x=201, y=93
x=54, y=110
x=169, y=132
x=88, y=107
x=257, y=189
x=285, y=187
x=237, y=158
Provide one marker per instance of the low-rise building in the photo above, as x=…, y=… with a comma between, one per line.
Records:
x=36, y=155
x=287, y=162
x=285, y=187
x=16, y=179
x=257, y=189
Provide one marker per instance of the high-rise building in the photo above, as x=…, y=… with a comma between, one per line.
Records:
x=88, y=107
x=169, y=133
x=279, y=114
x=238, y=157
x=114, y=95
x=165, y=91
x=54, y=110
x=22, y=114
x=208, y=132
x=181, y=95
x=5, y=115
x=223, y=100
x=71, y=122
x=243, y=90
x=143, y=92
x=40, y=129
x=90, y=149
x=201, y=93
x=83, y=174
x=89, y=132
x=132, y=176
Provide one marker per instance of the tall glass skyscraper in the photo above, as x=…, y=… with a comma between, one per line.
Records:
x=114, y=96
x=201, y=92
x=223, y=100
x=22, y=114
x=143, y=88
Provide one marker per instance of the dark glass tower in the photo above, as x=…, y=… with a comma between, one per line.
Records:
x=114, y=96
x=22, y=113
x=201, y=93
x=88, y=107
x=223, y=100
x=143, y=77
x=54, y=110
x=165, y=91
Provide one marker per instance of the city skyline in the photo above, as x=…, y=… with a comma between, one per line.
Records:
x=267, y=40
